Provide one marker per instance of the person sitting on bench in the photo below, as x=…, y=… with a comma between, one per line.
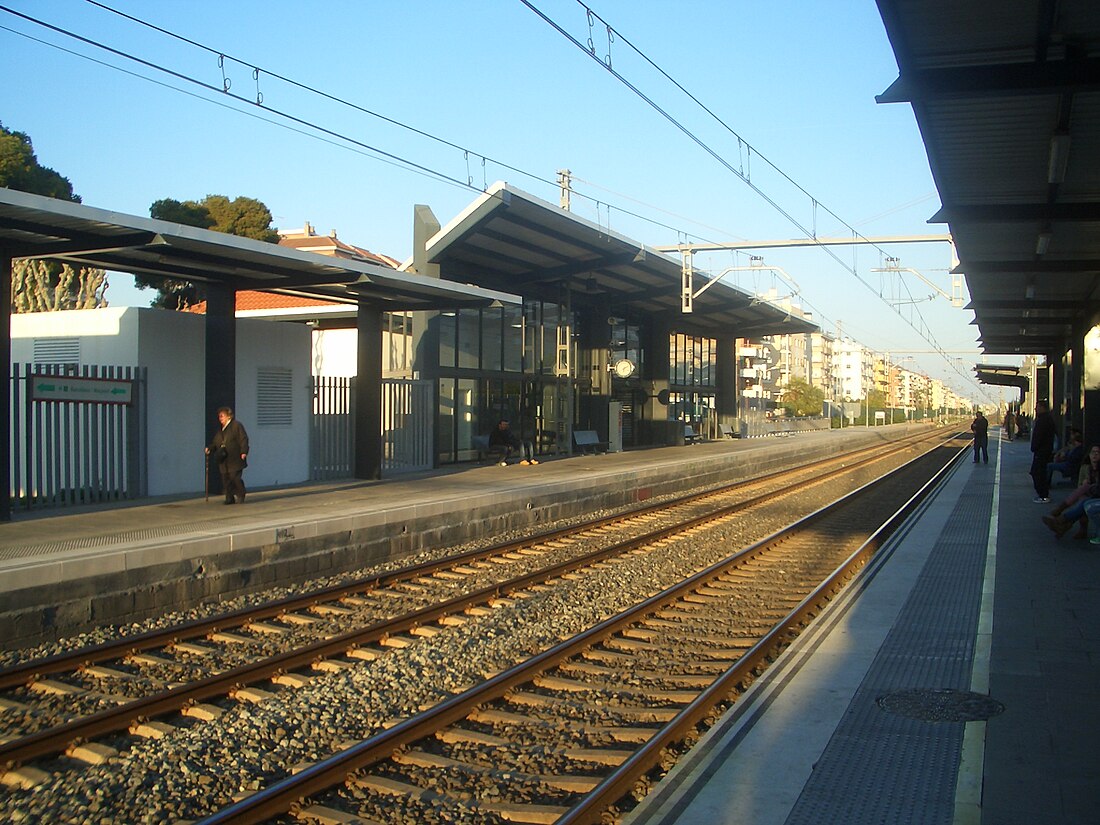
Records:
x=504, y=443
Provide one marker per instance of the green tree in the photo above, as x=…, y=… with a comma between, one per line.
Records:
x=41, y=285
x=20, y=169
x=801, y=399
x=243, y=216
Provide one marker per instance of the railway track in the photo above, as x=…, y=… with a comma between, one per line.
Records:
x=341, y=650
x=572, y=734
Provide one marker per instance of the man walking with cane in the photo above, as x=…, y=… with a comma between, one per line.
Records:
x=230, y=449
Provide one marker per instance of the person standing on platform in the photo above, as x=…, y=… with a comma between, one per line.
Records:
x=230, y=449
x=1009, y=424
x=1042, y=448
x=980, y=427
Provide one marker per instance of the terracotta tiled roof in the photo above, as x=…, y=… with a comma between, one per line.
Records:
x=253, y=299
x=307, y=240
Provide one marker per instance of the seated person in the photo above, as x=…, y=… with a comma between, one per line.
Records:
x=504, y=443
x=1067, y=460
x=1077, y=506
x=1092, y=513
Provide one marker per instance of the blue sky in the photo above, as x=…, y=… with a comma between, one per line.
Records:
x=795, y=80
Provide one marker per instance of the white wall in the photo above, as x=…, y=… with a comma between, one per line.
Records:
x=172, y=346
x=278, y=454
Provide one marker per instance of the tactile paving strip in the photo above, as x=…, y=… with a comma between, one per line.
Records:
x=49, y=548
x=881, y=767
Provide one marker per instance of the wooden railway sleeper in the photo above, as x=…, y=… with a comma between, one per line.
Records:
x=496, y=717
x=423, y=759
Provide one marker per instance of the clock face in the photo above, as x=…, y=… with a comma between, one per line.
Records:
x=624, y=368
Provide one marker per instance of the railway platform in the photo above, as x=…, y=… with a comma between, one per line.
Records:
x=957, y=680
x=975, y=596
x=64, y=571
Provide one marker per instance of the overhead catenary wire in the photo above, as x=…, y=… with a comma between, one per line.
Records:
x=325, y=134
x=923, y=329
x=225, y=89
x=393, y=122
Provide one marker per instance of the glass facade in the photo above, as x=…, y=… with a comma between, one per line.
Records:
x=524, y=364
x=500, y=363
x=693, y=379
x=693, y=361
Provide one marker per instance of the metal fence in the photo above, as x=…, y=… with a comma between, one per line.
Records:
x=78, y=434
x=407, y=427
x=331, y=433
x=755, y=423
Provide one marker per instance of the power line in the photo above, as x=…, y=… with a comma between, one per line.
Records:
x=325, y=134
x=259, y=70
x=924, y=331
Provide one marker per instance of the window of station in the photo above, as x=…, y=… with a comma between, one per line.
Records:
x=532, y=334
x=519, y=339
x=625, y=343
x=513, y=338
x=693, y=360
x=469, y=338
x=397, y=343
x=459, y=420
x=552, y=315
x=448, y=329
x=511, y=347
x=492, y=338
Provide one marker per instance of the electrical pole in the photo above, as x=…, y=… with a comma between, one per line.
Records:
x=565, y=182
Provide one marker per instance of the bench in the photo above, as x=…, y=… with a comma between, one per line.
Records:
x=587, y=441
x=481, y=444
x=726, y=431
x=690, y=436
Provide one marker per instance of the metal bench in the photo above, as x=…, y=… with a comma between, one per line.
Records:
x=726, y=431
x=481, y=444
x=690, y=436
x=587, y=441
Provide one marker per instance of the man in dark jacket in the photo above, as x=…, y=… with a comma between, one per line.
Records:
x=1042, y=448
x=230, y=449
x=980, y=428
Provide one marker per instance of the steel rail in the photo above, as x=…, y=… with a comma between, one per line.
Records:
x=621, y=781
x=22, y=674
x=283, y=796
x=55, y=740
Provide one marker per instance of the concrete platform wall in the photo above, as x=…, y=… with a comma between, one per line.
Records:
x=117, y=585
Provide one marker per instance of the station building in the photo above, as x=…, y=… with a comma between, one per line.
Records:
x=515, y=309
x=594, y=335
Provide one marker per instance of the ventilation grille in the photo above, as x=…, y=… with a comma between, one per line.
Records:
x=57, y=350
x=274, y=396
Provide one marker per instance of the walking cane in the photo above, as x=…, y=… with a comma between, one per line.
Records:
x=206, y=477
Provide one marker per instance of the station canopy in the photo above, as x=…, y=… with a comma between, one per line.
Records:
x=514, y=242
x=33, y=226
x=1003, y=376
x=1007, y=98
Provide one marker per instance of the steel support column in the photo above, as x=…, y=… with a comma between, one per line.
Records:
x=728, y=392
x=221, y=362
x=5, y=400
x=367, y=462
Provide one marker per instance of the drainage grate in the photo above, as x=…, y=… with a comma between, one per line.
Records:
x=929, y=705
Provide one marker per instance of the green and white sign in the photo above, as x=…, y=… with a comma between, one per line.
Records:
x=88, y=390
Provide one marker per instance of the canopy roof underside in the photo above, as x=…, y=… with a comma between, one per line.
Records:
x=1007, y=98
